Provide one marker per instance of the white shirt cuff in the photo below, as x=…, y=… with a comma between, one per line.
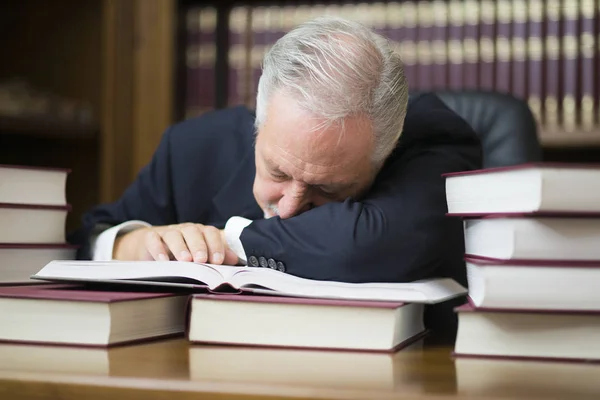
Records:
x=102, y=246
x=233, y=231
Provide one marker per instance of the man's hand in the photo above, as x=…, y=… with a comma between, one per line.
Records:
x=183, y=242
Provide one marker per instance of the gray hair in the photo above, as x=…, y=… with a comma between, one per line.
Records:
x=335, y=68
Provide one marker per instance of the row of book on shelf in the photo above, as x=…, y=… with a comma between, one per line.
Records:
x=532, y=259
x=515, y=47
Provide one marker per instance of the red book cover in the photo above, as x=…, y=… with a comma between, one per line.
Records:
x=36, y=207
x=589, y=81
x=489, y=261
x=519, y=50
x=565, y=165
x=503, y=47
x=535, y=70
x=299, y=300
x=471, y=36
x=487, y=41
x=456, y=53
x=469, y=307
x=553, y=72
x=404, y=33
x=423, y=46
x=570, y=60
x=439, y=46
x=239, y=48
x=69, y=292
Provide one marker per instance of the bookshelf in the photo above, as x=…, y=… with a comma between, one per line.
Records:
x=544, y=52
x=93, y=90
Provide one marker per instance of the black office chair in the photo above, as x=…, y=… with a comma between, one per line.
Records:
x=504, y=123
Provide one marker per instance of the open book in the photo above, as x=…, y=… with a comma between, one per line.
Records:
x=219, y=278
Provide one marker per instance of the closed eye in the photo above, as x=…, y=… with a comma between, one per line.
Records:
x=278, y=175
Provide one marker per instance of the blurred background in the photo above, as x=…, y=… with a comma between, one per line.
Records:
x=91, y=85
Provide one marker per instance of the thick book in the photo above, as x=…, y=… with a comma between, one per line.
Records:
x=33, y=185
x=304, y=323
x=526, y=188
x=222, y=278
x=533, y=237
x=19, y=261
x=557, y=335
x=533, y=284
x=39, y=224
x=82, y=316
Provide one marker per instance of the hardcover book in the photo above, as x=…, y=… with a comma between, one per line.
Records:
x=526, y=188
x=222, y=278
x=81, y=316
x=304, y=323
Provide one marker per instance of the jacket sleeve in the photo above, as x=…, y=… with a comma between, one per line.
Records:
x=148, y=198
x=399, y=232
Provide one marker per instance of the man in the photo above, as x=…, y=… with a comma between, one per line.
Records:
x=337, y=177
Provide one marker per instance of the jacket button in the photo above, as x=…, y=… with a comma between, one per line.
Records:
x=263, y=262
x=280, y=266
x=253, y=261
x=272, y=263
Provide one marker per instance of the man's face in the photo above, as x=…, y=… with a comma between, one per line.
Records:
x=301, y=165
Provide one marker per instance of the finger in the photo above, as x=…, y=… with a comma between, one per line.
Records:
x=155, y=246
x=194, y=238
x=175, y=242
x=215, y=244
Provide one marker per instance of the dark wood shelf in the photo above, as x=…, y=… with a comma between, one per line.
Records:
x=46, y=127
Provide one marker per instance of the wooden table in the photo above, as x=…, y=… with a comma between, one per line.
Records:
x=174, y=369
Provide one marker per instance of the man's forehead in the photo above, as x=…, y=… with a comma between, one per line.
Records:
x=344, y=142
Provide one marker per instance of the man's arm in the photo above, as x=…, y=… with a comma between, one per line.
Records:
x=399, y=232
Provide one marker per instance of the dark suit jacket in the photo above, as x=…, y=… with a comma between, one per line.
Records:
x=203, y=171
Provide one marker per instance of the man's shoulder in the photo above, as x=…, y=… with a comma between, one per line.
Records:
x=429, y=119
x=222, y=125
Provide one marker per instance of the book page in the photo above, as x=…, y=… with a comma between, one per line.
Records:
x=263, y=280
x=153, y=271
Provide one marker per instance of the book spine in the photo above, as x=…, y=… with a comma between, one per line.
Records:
x=206, y=60
x=456, y=54
x=487, y=45
x=589, y=78
x=236, y=56
x=570, y=70
x=424, y=55
x=503, y=47
x=408, y=41
x=519, y=49
x=535, y=78
x=439, y=48
x=378, y=17
x=471, y=12
x=260, y=45
x=552, y=65
x=192, y=48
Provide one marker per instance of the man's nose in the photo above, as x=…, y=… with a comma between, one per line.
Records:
x=295, y=200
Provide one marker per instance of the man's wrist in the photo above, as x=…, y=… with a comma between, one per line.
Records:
x=127, y=245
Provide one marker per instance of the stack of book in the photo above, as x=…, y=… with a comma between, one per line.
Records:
x=33, y=212
x=108, y=303
x=532, y=236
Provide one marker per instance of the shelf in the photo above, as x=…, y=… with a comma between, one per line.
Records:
x=564, y=139
x=46, y=127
